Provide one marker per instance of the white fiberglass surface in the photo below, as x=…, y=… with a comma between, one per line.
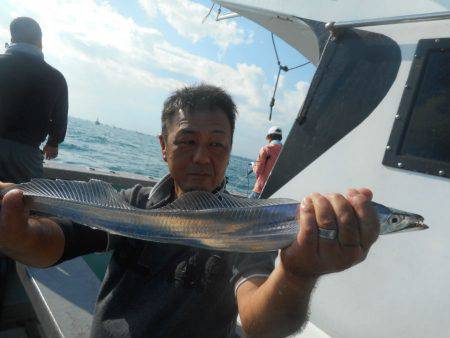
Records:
x=401, y=290
x=338, y=10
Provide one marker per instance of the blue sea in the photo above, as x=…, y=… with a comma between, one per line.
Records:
x=109, y=148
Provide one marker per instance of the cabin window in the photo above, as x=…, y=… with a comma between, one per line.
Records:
x=420, y=138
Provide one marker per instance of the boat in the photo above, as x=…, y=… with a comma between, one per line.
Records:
x=376, y=115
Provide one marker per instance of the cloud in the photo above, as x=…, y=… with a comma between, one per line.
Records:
x=244, y=81
x=121, y=71
x=88, y=22
x=4, y=36
x=127, y=74
x=291, y=100
x=186, y=18
x=253, y=123
x=103, y=55
x=94, y=33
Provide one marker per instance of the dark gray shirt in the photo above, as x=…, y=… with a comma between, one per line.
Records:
x=159, y=290
x=33, y=100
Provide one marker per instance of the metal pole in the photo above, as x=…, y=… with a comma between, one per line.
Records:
x=228, y=16
x=389, y=20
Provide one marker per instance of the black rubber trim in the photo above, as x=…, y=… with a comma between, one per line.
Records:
x=393, y=156
x=355, y=73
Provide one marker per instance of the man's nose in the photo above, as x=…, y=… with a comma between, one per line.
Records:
x=201, y=155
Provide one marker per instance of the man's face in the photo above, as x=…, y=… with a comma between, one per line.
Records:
x=197, y=150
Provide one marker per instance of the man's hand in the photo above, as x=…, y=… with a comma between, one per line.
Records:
x=35, y=241
x=50, y=152
x=357, y=226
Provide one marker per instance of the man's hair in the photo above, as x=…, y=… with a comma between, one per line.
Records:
x=25, y=30
x=197, y=98
x=277, y=137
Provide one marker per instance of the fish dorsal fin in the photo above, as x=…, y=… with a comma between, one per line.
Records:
x=203, y=200
x=93, y=192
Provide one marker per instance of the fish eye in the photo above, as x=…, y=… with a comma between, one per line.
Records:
x=394, y=220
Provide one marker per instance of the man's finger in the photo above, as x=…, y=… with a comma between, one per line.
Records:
x=369, y=224
x=325, y=215
x=366, y=192
x=352, y=192
x=14, y=211
x=305, y=249
x=307, y=237
x=6, y=185
x=348, y=229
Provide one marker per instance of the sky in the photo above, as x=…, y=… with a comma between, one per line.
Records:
x=121, y=59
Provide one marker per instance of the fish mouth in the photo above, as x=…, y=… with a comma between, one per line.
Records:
x=414, y=222
x=417, y=224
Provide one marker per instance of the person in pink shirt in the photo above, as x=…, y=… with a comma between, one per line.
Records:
x=267, y=158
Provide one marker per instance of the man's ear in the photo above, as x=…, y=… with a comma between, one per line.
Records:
x=162, y=143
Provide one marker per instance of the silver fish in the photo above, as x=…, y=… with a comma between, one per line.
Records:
x=201, y=219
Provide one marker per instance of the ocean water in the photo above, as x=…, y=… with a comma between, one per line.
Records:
x=108, y=148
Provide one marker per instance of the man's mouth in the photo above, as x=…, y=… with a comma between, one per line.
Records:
x=199, y=174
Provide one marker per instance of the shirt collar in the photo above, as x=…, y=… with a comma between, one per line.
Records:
x=275, y=142
x=25, y=48
x=163, y=192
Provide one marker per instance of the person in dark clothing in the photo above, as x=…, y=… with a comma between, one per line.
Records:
x=33, y=104
x=164, y=290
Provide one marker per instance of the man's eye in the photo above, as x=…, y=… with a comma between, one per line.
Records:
x=217, y=144
x=186, y=142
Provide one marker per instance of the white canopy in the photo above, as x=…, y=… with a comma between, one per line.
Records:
x=283, y=17
x=339, y=10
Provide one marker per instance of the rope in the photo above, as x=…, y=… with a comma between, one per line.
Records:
x=280, y=68
x=303, y=64
x=272, y=101
x=209, y=13
x=248, y=184
x=248, y=173
x=219, y=11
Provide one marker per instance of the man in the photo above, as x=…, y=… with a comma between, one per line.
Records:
x=267, y=158
x=33, y=104
x=160, y=290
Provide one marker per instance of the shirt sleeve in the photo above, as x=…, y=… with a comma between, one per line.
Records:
x=260, y=164
x=80, y=240
x=250, y=265
x=58, y=120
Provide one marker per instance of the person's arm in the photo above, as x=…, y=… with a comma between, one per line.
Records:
x=58, y=122
x=278, y=306
x=260, y=164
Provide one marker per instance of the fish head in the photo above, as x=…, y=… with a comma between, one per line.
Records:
x=394, y=220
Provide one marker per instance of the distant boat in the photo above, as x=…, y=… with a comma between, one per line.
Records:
x=97, y=122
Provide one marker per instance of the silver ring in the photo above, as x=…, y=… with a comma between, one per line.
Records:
x=327, y=234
